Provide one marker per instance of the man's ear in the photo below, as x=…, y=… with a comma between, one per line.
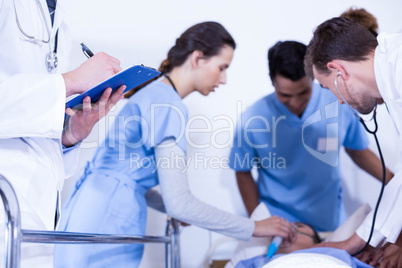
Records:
x=195, y=58
x=339, y=68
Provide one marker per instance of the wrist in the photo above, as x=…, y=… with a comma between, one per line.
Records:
x=354, y=244
x=68, y=138
x=389, y=175
x=257, y=229
x=69, y=83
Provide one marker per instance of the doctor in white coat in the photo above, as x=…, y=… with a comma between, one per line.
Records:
x=367, y=72
x=33, y=88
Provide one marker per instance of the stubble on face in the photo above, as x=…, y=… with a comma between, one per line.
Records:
x=362, y=103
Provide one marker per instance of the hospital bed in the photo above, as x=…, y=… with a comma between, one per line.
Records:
x=14, y=235
x=258, y=246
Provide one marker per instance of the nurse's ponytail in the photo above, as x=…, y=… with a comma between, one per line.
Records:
x=207, y=37
x=165, y=66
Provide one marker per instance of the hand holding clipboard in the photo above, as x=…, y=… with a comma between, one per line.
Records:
x=105, y=95
x=131, y=77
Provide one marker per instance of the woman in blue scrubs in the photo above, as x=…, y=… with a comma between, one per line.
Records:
x=146, y=146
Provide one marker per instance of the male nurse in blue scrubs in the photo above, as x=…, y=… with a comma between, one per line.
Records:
x=293, y=138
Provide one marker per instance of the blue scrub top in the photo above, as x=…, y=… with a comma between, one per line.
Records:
x=111, y=192
x=297, y=158
x=150, y=116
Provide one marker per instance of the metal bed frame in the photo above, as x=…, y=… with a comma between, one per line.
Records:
x=14, y=235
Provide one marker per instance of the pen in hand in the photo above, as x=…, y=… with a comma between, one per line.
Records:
x=87, y=52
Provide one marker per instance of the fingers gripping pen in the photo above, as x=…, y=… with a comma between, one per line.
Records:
x=273, y=247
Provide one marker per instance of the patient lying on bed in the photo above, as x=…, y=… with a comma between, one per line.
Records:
x=252, y=253
x=303, y=255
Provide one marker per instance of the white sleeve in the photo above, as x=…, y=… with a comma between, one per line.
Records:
x=182, y=205
x=388, y=222
x=71, y=157
x=32, y=106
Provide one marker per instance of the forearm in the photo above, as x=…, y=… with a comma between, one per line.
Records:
x=370, y=163
x=182, y=205
x=248, y=190
x=351, y=245
x=388, y=221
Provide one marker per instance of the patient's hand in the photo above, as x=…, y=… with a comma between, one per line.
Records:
x=351, y=245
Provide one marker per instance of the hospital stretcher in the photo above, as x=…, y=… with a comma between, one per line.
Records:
x=15, y=235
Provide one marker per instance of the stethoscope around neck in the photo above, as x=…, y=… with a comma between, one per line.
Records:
x=373, y=132
x=51, y=60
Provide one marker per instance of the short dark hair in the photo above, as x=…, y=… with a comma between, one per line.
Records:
x=286, y=59
x=338, y=38
x=208, y=37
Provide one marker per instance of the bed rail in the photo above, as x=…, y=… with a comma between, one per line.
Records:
x=14, y=235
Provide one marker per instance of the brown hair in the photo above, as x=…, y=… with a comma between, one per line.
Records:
x=362, y=16
x=208, y=37
x=338, y=38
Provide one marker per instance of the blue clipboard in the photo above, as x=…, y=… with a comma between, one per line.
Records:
x=131, y=77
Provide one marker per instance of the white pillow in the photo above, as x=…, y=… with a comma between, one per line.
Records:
x=306, y=260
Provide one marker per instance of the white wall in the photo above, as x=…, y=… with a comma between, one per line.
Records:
x=142, y=32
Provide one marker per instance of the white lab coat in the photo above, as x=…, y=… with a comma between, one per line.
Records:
x=32, y=113
x=388, y=74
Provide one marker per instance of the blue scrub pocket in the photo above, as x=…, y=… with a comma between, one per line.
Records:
x=106, y=205
x=125, y=214
x=127, y=210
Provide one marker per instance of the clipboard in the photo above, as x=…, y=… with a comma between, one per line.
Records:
x=132, y=77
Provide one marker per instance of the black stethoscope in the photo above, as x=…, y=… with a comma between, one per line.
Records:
x=51, y=60
x=373, y=132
